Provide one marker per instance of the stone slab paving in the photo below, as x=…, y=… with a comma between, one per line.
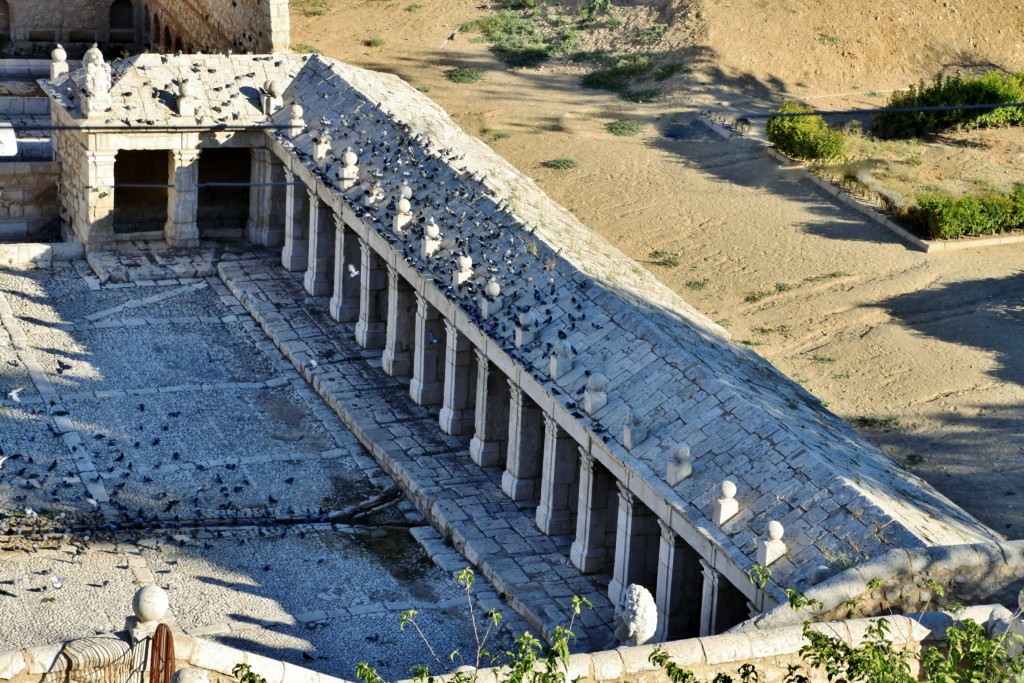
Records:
x=216, y=490
x=435, y=471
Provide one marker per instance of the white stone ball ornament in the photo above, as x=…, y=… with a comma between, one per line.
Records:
x=150, y=604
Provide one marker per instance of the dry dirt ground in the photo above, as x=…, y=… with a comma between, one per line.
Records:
x=871, y=327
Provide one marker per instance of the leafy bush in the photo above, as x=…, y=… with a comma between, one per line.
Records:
x=624, y=128
x=617, y=76
x=804, y=137
x=992, y=88
x=515, y=40
x=560, y=164
x=667, y=71
x=461, y=75
x=640, y=96
x=942, y=216
x=594, y=9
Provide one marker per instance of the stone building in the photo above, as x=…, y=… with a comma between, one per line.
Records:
x=31, y=27
x=673, y=458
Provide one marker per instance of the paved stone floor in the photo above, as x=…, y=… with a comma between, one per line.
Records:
x=162, y=430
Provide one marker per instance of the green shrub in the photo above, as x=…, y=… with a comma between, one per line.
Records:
x=651, y=35
x=373, y=42
x=942, y=216
x=618, y=76
x=515, y=40
x=624, y=128
x=461, y=75
x=804, y=137
x=992, y=88
x=561, y=164
x=667, y=71
x=594, y=9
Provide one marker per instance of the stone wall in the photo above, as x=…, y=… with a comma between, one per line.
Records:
x=36, y=25
x=213, y=26
x=29, y=205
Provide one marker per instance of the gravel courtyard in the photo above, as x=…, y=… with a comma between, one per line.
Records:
x=184, y=450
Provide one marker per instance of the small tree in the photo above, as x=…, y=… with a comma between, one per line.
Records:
x=804, y=137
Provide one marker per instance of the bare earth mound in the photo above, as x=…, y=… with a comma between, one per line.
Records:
x=921, y=352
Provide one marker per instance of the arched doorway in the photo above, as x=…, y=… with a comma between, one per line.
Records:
x=122, y=22
x=5, y=19
x=155, y=35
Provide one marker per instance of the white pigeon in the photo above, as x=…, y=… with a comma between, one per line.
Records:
x=58, y=582
x=15, y=395
x=93, y=502
x=311, y=364
x=29, y=512
x=352, y=272
x=3, y=460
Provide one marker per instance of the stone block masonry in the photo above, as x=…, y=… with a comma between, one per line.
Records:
x=214, y=26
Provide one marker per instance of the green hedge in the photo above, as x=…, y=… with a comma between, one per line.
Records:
x=942, y=216
x=993, y=87
x=804, y=137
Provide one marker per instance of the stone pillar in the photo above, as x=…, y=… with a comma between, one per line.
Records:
x=371, y=330
x=344, y=306
x=708, y=599
x=99, y=206
x=295, y=255
x=427, y=386
x=400, y=339
x=490, y=441
x=521, y=479
x=183, y=199
x=636, y=546
x=260, y=228
x=459, y=383
x=679, y=587
x=559, y=484
x=318, y=278
x=589, y=551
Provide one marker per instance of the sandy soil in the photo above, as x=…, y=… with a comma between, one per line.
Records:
x=932, y=340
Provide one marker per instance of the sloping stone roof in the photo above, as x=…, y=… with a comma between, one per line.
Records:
x=840, y=499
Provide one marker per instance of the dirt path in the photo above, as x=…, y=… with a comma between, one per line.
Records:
x=876, y=330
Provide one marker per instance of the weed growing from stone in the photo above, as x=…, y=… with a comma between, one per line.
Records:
x=624, y=128
x=669, y=259
x=306, y=49
x=697, y=285
x=461, y=75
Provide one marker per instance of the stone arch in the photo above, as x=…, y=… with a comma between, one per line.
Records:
x=5, y=18
x=156, y=35
x=122, y=15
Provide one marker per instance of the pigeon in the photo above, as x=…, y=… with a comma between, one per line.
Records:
x=3, y=460
x=352, y=272
x=432, y=337
x=15, y=395
x=57, y=582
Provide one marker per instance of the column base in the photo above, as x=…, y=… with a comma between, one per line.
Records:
x=344, y=311
x=397, y=364
x=457, y=422
x=426, y=394
x=316, y=284
x=555, y=522
x=588, y=561
x=185, y=235
x=294, y=256
x=519, y=489
x=486, y=453
x=371, y=335
x=264, y=235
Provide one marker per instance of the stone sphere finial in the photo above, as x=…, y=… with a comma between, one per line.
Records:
x=775, y=530
x=681, y=454
x=562, y=348
x=597, y=382
x=405, y=192
x=188, y=89
x=404, y=206
x=274, y=89
x=92, y=56
x=728, y=489
x=59, y=54
x=431, y=230
x=150, y=603
x=527, y=318
x=465, y=262
x=349, y=158
x=297, y=112
x=493, y=289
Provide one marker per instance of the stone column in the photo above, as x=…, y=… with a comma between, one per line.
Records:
x=318, y=278
x=427, y=386
x=295, y=255
x=459, y=383
x=258, y=229
x=521, y=479
x=490, y=441
x=559, y=483
x=679, y=587
x=589, y=551
x=183, y=199
x=348, y=258
x=371, y=330
x=99, y=204
x=709, y=599
x=636, y=546
x=401, y=332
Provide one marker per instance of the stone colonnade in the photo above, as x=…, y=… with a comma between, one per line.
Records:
x=426, y=340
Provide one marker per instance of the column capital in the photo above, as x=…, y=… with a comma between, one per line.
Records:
x=550, y=426
x=450, y=327
x=711, y=574
x=339, y=222
x=482, y=359
x=364, y=247
x=625, y=494
x=668, y=535
x=393, y=276
x=261, y=154
x=515, y=392
x=93, y=157
x=289, y=175
x=586, y=459
x=314, y=197
x=185, y=156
